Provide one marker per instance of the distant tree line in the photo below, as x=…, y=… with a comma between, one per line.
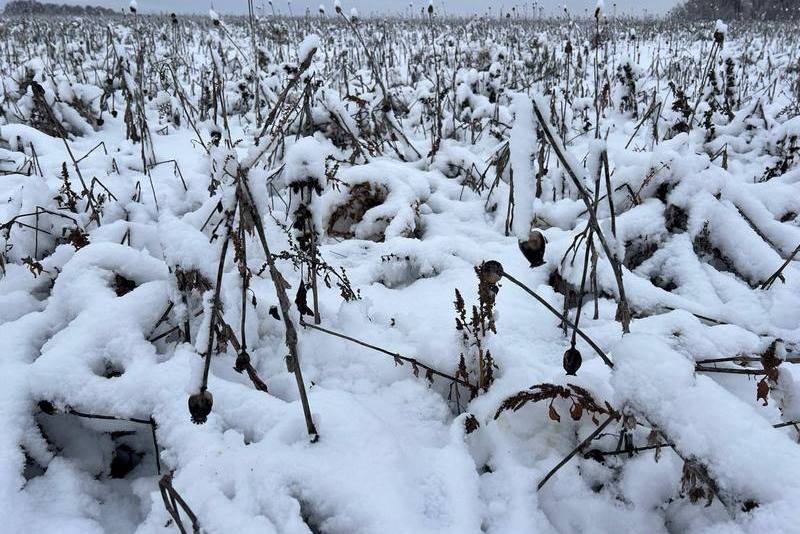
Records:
x=734, y=9
x=32, y=7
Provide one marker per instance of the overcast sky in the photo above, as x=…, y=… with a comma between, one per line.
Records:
x=373, y=6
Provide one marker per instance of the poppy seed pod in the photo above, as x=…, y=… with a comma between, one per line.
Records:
x=533, y=249
x=492, y=271
x=200, y=406
x=242, y=361
x=572, y=361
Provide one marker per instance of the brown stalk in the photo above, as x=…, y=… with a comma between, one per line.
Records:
x=624, y=311
x=564, y=319
x=246, y=202
x=430, y=371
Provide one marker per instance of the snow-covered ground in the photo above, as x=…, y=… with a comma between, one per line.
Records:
x=372, y=374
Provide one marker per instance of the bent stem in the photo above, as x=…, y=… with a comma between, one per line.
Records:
x=566, y=320
x=246, y=202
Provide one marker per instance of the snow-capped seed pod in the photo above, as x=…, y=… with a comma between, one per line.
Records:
x=321, y=10
x=133, y=6
x=200, y=406
x=214, y=17
x=533, y=248
x=430, y=7
x=572, y=361
x=174, y=18
x=354, y=15
x=492, y=271
x=720, y=30
x=599, y=8
x=337, y=6
x=308, y=47
x=216, y=137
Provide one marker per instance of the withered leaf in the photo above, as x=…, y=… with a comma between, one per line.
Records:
x=429, y=376
x=471, y=424
x=553, y=414
x=762, y=391
x=273, y=311
x=594, y=454
x=301, y=300
x=122, y=285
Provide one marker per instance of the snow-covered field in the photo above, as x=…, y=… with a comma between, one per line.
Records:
x=244, y=282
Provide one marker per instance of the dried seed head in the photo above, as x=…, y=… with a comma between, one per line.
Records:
x=242, y=361
x=200, y=406
x=492, y=271
x=720, y=29
x=216, y=137
x=533, y=249
x=572, y=361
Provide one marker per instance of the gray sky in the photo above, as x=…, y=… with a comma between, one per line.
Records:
x=371, y=6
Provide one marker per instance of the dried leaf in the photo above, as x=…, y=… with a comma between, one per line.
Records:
x=471, y=424
x=429, y=376
x=553, y=414
x=301, y=300
x=762, y=391
x=273, y=312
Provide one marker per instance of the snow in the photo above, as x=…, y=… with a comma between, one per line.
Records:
x=308, y=46
x=522, y=144
x=413, y=171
